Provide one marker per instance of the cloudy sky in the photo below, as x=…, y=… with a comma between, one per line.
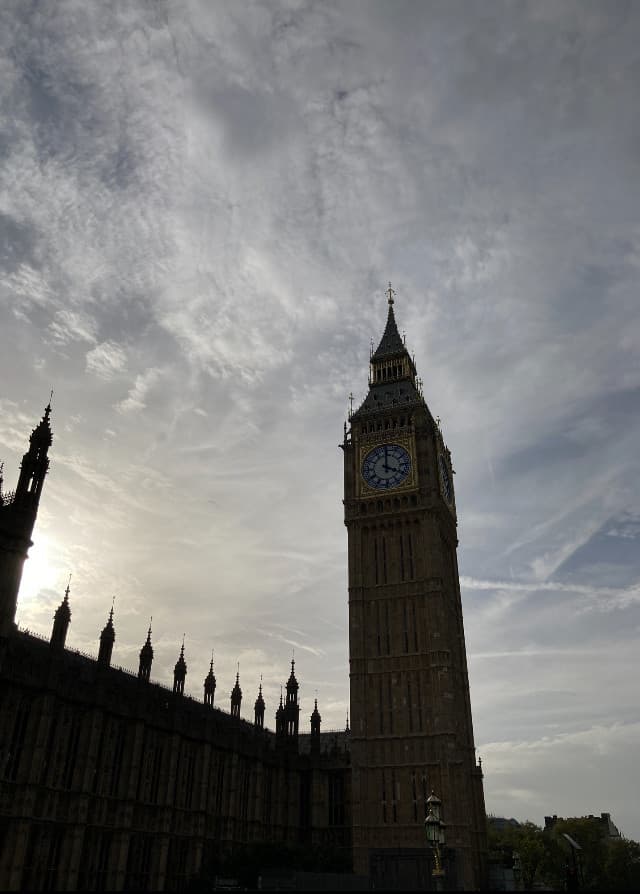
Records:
x=200, y=207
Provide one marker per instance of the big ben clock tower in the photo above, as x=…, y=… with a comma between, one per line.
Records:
x=411, y=728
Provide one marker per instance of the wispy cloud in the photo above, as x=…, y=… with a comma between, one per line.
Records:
x=106, y=360
x=137, y=396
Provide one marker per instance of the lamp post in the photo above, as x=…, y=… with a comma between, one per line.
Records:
x=434, y=828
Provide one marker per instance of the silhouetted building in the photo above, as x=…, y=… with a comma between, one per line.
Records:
x=604, y=823
x=411, y=729
x=113, y=782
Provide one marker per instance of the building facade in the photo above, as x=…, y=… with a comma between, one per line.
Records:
x=109, y=781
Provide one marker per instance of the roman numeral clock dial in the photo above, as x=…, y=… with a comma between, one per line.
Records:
x=386, y=466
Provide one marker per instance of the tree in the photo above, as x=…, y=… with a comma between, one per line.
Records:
x=607, y=864
x=547, y=857
x=526, y=846
x=622, y=868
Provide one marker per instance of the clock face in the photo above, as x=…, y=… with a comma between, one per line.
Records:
x=386, y=466
x=446, y=480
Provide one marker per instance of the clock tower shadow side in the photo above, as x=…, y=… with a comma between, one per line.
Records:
x=411, y=725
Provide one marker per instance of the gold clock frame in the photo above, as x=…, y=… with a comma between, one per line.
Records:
x=387, y=436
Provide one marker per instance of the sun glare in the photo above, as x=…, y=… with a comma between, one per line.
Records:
x=39, y=572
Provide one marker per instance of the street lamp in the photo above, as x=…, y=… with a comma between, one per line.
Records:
x=434, y=828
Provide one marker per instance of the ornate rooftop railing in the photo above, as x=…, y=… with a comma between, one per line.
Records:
x=189, y=698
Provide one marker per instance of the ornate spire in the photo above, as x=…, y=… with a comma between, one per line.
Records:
x=292, y=684
x=280, y=722
x=291, y=708
x=61, y=621
x=390, y=295
x=107, y=639
x=210, y=685
x=315, y=720
x=259, y=707
x=63, y=609
x=35, y=464
x=180, y=672
x=236, y=696
x=41, y=435
x=391, y=343
x=146, y=657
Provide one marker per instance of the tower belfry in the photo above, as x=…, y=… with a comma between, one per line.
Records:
x=411, y=721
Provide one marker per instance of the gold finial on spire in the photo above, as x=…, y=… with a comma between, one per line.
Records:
x=390, y=295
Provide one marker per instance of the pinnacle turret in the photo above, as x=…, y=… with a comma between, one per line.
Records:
x=107, y=639
x=146, y=658
x=315, y=720
x=61, y=621
x=259, y=708
x=180, y=672
x=291, y=708
x=210, y=685
x=236, y=697
x=35, y=464
x=292, y=685
x=42, y=436
x=280, y=722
